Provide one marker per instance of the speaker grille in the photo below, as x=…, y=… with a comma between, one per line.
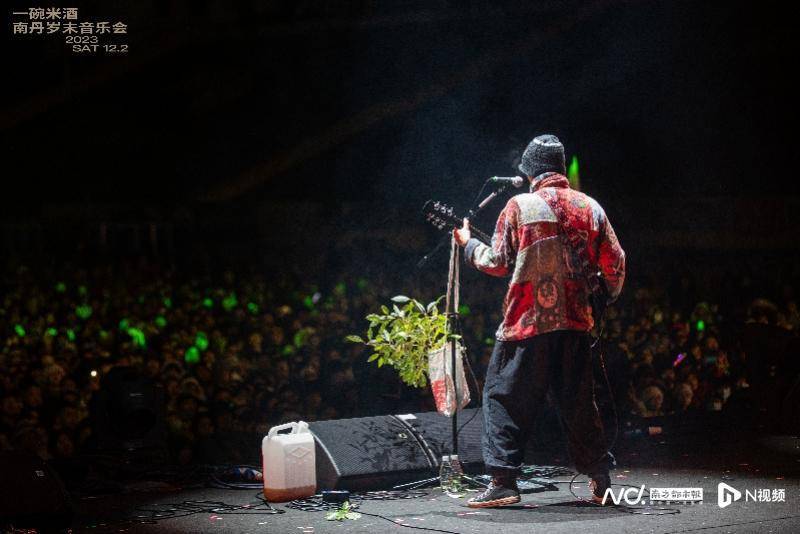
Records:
x=437, y=432
x=367, y=453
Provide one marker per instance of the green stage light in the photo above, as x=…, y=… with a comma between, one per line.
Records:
x=138, y=337
x=301, y=337
x=52, y=332
x=573, y=174
x=61, y=287
x=20, y=330
x=230, y=302
x=84, y=311
x=82, y=291
x=252, y=307
x=201, y=341
x=168, y=302
x=70, y=334
x=123, y=325
x=160, y=321
x=208, y=303
x=701, y=325
x=463, y=309
x=192, y=355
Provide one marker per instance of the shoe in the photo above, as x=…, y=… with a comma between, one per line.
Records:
x=497, y=494
x=599, y=484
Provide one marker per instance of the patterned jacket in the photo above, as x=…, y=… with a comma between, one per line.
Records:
x=549, y=289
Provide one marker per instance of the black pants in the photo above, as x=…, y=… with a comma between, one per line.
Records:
x=519, y=376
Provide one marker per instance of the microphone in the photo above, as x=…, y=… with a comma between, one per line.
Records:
x=516, y=181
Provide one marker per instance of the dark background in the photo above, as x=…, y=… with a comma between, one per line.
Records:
x=285, y=148
x=239, y=117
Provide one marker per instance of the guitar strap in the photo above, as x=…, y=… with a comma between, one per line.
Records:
x=453, y=279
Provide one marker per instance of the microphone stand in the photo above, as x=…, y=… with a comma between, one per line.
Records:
x=488, y=199
x=454, y=326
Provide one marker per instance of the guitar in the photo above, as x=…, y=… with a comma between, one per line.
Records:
x=444, y=217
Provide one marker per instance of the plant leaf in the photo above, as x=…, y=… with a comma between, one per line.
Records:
x=400, y=299
x=433, y=305
x=354, y=339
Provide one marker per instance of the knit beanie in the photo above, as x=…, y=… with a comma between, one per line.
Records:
x=544, y=154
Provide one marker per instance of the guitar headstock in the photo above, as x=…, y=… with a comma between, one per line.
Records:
x=445, y=218
x=440, y=215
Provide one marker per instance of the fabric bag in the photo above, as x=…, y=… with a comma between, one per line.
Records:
x=441, y=377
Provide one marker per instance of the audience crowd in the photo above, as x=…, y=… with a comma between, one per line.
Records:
x=240, y=352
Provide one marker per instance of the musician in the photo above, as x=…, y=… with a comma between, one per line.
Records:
x=550, y=241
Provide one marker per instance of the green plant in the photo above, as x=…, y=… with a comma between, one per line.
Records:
x=345, y=511
x=403, y=336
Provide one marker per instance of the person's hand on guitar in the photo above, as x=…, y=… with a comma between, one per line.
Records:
x=462, y=235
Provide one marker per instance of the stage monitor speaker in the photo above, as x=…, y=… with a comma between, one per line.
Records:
x=377, y=453
x=368, y=453
x=128, y=412
x=31, y=495
x=436, y=431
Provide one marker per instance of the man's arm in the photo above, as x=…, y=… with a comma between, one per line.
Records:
x=497, y=259
x=611, y=260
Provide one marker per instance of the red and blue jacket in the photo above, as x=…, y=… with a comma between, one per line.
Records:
x=549, y=289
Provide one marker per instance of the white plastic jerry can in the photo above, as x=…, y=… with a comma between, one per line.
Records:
x=288, y=461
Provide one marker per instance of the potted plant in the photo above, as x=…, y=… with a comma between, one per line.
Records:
x=404, y=336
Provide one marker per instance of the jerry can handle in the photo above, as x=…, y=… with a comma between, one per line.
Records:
x=275, y=429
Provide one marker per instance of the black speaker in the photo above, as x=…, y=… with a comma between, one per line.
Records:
x=32, y=495
x=128, y=412
x=377, y=453
x=368, y=453
x=436, y=431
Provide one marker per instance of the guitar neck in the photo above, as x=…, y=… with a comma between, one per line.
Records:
x=445, y=217
x=481, y=235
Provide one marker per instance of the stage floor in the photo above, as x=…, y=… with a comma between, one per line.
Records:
x=550, y=511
